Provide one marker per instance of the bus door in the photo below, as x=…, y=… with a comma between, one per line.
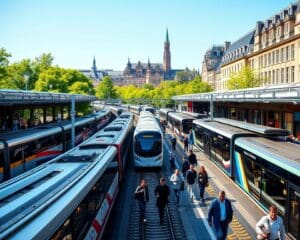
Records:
x=293, y=218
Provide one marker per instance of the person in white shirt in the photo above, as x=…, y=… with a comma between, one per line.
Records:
x=271, y=226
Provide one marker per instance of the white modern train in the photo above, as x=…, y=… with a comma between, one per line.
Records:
x=147, y=142
x=71, y=196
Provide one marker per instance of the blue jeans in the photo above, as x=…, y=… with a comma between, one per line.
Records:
x=201, y=190
x=221, y=230
x=176, y=191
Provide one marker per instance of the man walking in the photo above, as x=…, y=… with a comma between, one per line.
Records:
x=142, y=195
x=191, y=176
x=192, y=158
x=220, y=215
x=162, y=193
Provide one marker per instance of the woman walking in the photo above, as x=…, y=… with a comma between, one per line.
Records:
x=202, y=181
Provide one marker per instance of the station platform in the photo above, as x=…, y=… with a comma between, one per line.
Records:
x=194, y=214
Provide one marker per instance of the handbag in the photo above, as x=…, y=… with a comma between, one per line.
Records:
x=261, y=236
x=207, y=184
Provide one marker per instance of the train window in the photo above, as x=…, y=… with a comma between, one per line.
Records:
x=1, y=159
x=199, y=135
x=77, y=225
x=252, y=172
x=273, y=190
x=220, y=150
x=294, y=213
x=148, y=145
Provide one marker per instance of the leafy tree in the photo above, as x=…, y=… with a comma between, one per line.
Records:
x=16, y=75
x=105, y=89
x=52, y=80
x=246, y=78
x=4, y=55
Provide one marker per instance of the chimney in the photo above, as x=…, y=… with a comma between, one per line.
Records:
x=227, y=45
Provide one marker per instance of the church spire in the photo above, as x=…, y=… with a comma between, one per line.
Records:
x=167, y=54
x=167, y=36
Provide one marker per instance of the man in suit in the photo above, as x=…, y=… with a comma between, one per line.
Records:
x=220, y=215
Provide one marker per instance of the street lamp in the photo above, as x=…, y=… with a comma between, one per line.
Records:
x=50, y=86
x=26, y=78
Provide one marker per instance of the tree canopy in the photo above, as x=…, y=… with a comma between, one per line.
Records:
x=246, y=78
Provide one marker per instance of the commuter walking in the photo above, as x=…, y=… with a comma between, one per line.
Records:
x=173, y=141
x=172, y=160
x=202, y=181
x=186, y=143
x=191, y=176
x=176, y=184
x=142, y=195
x=15, y=125
x=270, y=226
x=162, y=193
x=191, y=139
x=220, y=215
x=185, y=166
x=192, y=158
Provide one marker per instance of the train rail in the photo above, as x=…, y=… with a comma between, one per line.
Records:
x=171, y=227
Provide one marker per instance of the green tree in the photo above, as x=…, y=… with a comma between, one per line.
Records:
x=4, y=56
x=52, y=80
x=246, y=78
x=105, y=89
x=16, y=75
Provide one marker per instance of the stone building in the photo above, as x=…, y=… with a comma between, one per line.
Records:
x=154, y=73
x=272, y=50
x=211, y=63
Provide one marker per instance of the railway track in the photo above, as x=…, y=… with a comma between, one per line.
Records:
x=170, y=229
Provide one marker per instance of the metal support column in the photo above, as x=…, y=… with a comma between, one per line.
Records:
x=211, y=107
x=73, y=112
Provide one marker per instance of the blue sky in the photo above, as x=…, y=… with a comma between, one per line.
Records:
x=113, y=30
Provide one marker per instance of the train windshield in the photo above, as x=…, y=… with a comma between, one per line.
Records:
x=148, y=144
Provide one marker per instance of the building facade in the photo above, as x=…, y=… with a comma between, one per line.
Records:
x=272, y=50
x=139, y=73
x=211, y=63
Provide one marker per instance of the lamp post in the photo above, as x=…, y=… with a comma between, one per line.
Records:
x=26, y=78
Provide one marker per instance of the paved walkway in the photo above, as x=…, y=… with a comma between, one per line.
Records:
x=194, y=215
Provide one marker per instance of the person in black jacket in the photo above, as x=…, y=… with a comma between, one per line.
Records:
x=192, y=158
x=162, y=193
x=142, y=195
x=191, y=176
x=173, y=141
x=202, y=181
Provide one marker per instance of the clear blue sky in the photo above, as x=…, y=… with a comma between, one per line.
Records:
x=74, y=31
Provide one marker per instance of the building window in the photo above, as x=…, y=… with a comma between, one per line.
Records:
x=286, y=29
x=273, y=77
x=287, y=53
x=278, y=32
x=282, y=75
x=277, y=56
x=287, y=74
x=292, y=52
x=282, y=55
x=273, y=57
x=277, y=76
x=292, y=74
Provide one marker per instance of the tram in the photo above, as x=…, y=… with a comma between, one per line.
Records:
x=69, y=197
x=147, y=142
x=264, y=166
x=163, y=115
x=27, y=149
x=180, y=123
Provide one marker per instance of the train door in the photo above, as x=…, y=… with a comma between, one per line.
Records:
x=206, y=143
x=293, y=218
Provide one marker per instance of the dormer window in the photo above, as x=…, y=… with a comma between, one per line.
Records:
x=286, y=28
